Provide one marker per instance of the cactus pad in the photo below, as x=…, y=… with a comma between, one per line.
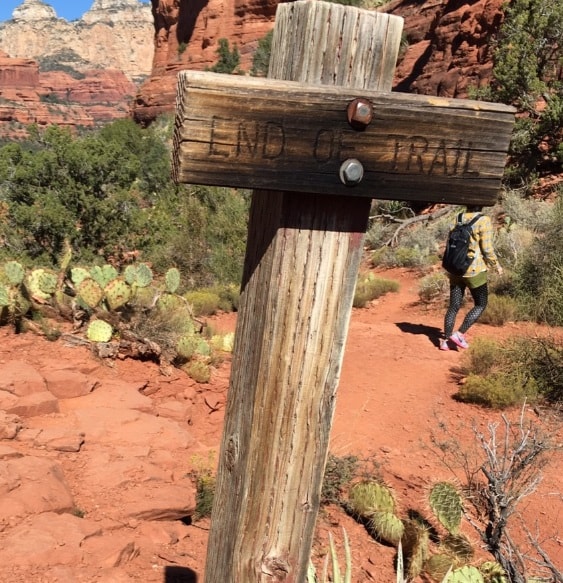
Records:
x=415, y=546
x=130, y=273
x=458, y=545
x=99, y=331
x=368, y=497
x=14, y=272
x=78, y=275
x=493, y=572
x=438, y=566
x=172, y=280
x=39, y=283
x=4, y=297
x=104, y=274
x=465, y=574
x=447, y=505
x=90, y=292
x=117, y=293
x=387, y=527
x=143, y=276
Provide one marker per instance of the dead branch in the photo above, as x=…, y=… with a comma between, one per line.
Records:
x=404, y=223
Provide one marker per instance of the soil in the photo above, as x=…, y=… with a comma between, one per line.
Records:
x=126, y=449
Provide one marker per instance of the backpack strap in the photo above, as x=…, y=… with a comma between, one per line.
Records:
x=473, y=220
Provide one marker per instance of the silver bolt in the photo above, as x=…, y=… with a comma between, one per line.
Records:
x=351, y=172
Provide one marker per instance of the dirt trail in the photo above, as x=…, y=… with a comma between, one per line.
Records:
x=118, y=443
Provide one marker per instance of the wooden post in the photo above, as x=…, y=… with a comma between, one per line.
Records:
x=324, y=157
x=303, y=256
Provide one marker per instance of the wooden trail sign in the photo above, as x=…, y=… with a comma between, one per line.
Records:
x=302, y=260
x=281, y=135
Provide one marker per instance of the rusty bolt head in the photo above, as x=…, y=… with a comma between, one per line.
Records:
x=351, y=172
x=360, y=113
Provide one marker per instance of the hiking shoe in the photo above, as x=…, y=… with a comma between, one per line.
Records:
x=459, y=340
x=444, y=344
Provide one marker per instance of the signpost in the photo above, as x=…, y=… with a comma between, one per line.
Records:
x=323, y=140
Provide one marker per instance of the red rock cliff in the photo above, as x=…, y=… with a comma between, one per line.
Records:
x=448, y=43
x=186, y=37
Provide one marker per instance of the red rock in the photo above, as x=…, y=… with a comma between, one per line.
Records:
x=32, y=485
x=20, y=379
x=67, y=384
x=36, y=404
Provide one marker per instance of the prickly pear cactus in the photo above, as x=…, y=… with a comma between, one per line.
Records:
x=438, y=566
x=368, y=497
x=130, y=273
x=41, y=284
x=4, y=297
x=117, y=293
x=415, y=545
x=99, y=331
x=387, y=527
x=15, y=272
x=144, y=276
x=172, y=280
x=48, y=282
x=458, y=545
x=465, y=574
x=79, y=274
x=103, y=274
x=90, y=292
x=493, y=572
x=447, y=505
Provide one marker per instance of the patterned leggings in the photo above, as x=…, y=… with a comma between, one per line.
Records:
x=480, y=296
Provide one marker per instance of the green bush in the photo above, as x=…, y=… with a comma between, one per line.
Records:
x=434, y=286
x=500, y=310
x=228, y=60
x=203, y=302
x=499, y=390
x=500, y=375
x=369, y=287
x=539, y=274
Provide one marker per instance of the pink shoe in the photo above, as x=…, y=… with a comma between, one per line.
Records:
x=444, y=344
x=459, y=340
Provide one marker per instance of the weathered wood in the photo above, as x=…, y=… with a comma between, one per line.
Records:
x=283, y=135
x=303, y=255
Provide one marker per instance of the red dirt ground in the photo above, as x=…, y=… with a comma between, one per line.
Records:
x=395, y=391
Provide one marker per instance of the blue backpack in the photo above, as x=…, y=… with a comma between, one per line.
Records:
x=456, y=258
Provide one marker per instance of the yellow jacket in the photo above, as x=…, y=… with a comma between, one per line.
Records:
x=480, y=245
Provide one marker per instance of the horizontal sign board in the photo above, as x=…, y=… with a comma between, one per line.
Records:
x=249, y=132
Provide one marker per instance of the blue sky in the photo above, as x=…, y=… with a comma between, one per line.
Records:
x=69, y=9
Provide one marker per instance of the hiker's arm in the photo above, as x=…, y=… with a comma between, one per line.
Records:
x=486, y=244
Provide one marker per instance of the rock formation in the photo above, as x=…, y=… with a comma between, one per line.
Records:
x=113, y=33
x=78, y=73
x=447, y=44
x=187, y=37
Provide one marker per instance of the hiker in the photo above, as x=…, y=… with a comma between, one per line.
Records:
x=475, y=278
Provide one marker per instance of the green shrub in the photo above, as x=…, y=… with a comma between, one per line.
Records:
x=433, y=287
x=500, y=310
x=261, y=58
x=369, y=287
x=228, y=60
x=498, y=390
x=538, y=277
x=203, y=302
x=507, y=374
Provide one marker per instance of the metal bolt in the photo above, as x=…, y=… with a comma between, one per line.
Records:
x=351, y=172
x=360, y=113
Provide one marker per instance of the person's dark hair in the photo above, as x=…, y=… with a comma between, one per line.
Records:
x=474, y=208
